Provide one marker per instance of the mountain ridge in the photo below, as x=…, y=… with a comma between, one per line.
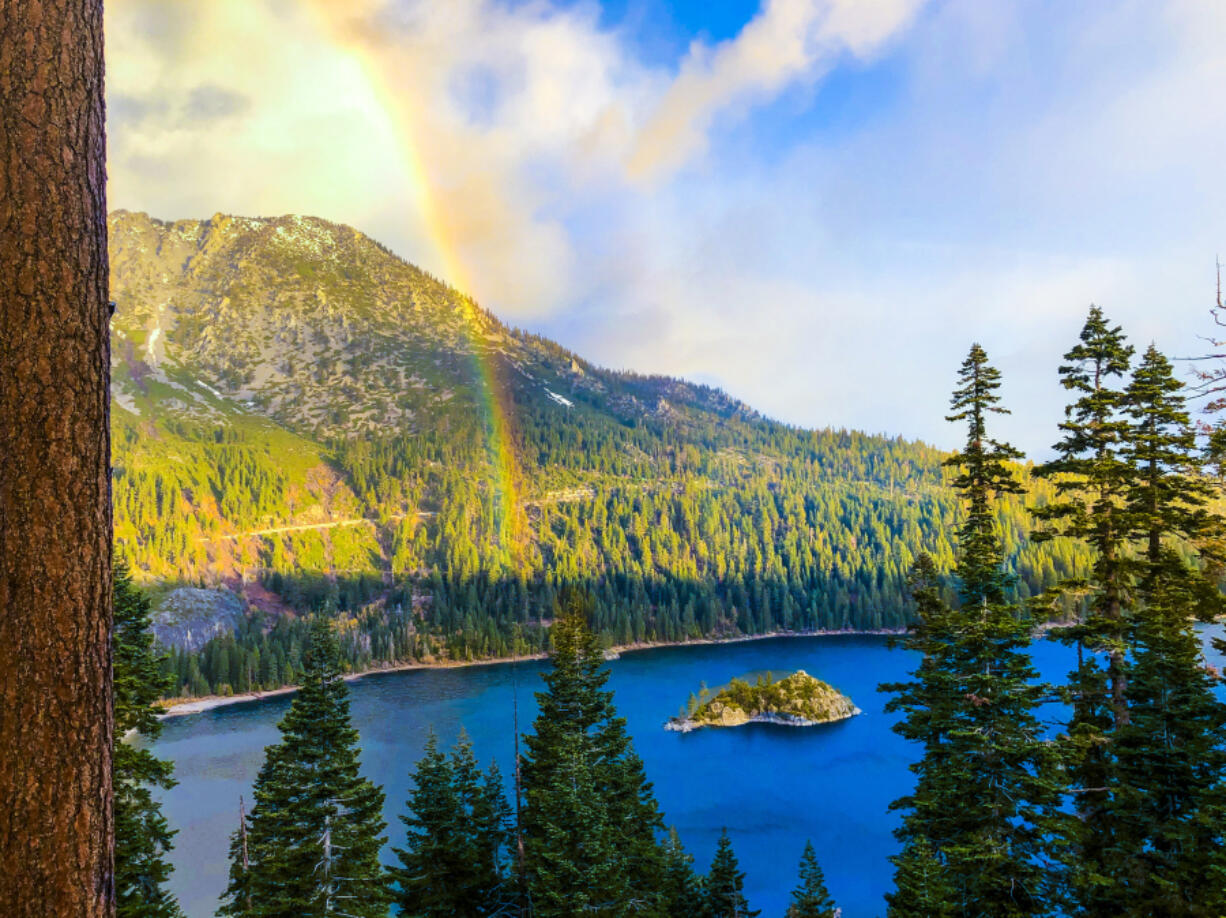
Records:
x=319, y=262
x=274, y=378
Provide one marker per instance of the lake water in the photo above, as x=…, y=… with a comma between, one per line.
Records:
x=772, y=787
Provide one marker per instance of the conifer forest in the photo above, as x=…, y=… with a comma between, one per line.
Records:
x=612, y=459
x=1116, y=809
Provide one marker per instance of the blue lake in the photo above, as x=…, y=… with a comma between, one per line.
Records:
x=772, y=787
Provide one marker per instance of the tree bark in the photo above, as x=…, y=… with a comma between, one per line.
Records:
x=56, y=829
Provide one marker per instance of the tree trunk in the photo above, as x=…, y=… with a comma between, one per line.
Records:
x=56, y=829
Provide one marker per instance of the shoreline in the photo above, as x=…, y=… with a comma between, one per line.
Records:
x=186, y=706
x=689, y=725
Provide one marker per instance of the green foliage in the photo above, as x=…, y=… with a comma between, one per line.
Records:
x=142, y=836
x=922, y=887
x=811, y=899
x=770, y=529
x=1168, y=800
x=454, y=862
x=723, y=893
x=1092, y=472
x=590, y=819
x=986, y=790
x=312, y=839
x=680, y=512
x=796, y=695
x=1143, y=749
x=680, y=887
x=363, y=483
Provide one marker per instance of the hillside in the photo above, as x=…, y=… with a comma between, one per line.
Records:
x=305, y=420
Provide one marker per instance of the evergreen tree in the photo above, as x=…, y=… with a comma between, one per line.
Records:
x=723, y=889
x=492, y=836
x=1168, y=494
x=1092, y=474
x=811, y=899
x=681, y=889
x=930, y=704
x=142, y=835
x=314, y=833
x=1169, y=759
x=590, y=818
x=921, y=885
x=453, y=860
x=431, y=863
x=985, y=789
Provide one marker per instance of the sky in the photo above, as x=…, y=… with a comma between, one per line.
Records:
x=817, y=205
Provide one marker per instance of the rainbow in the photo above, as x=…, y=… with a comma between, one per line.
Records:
x=334, y=19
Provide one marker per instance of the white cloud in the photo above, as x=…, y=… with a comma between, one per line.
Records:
x=1021, y=161
x=789, y=40
x=471, y=128
x=1030, y=162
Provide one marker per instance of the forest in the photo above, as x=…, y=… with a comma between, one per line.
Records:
x=370, y=445
x=1116, y=809
x=386, y=473
x=733, y=530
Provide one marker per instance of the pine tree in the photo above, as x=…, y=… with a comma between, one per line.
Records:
x=723, y=892
x=985, y=789
x=681, y=890
x=142, y=836
x=1092, y=474
x=314, y=833
x=1168, y=494
x=590, y=818
x=921, y=885
x=1169, y=759
x=430, y=862
x=492, y=822
x=453, y=861
x=811, y=899
x=931, y=707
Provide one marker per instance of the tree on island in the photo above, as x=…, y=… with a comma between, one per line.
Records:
x=142, y=836
x=590, y=819
x=811, y=899
x=454, y=859
x=56, y=816
x=723, y=890
x=985, y=788
x=310, y=845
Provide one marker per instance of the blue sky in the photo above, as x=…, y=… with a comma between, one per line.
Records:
x=816, y=204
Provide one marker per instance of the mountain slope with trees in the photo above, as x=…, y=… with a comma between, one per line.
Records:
x=304, y=419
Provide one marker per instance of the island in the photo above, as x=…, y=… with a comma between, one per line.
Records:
x=797, y=700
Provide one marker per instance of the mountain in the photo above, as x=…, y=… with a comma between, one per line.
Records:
x=306, y=421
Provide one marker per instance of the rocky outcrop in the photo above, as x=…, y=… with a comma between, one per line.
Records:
x=799, y=700
x=188, y=618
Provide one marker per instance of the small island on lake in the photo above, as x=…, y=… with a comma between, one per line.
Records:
x=798, y=700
